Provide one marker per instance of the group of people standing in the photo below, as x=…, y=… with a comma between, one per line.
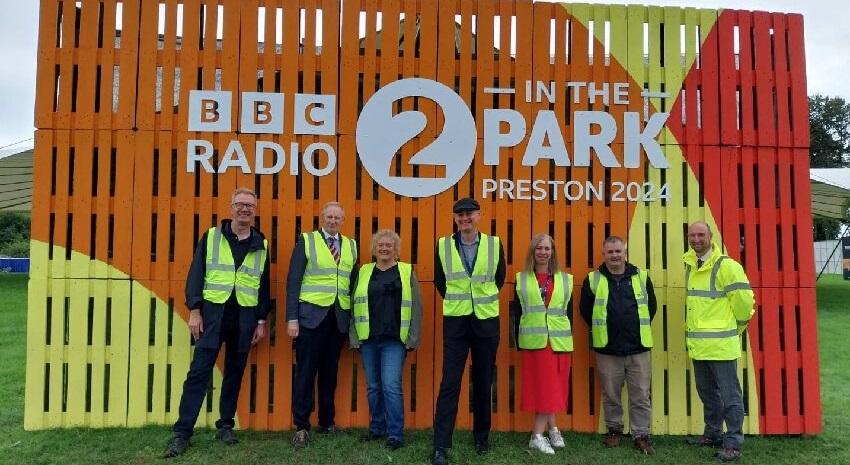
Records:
x=378, y=307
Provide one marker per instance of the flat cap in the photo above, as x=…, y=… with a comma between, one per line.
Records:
x=466, y=205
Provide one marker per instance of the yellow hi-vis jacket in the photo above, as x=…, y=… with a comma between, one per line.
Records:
x=599, y=319
x=467, y=293
x=324, y=281
x=222, y=278
x=538, y=323
x=361, y=301
x=720, y=304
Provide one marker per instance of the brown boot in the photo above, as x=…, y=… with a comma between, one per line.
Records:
x=643, y=444
x=612, y=438
x=301, y=438
x=728, y=454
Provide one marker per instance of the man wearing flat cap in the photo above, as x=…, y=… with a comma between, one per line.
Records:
x=468, y=273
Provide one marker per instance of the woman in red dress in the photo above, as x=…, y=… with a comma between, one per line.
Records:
x=545, y=338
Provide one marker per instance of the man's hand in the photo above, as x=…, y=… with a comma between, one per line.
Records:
x=196, y=324
x=259, y=334
x=292, y=328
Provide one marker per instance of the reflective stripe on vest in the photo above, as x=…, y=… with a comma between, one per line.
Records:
x=712, y=333
x=477, y=293
x=539, y=324
x=599, y=318
x=324, y=281
x=361, y=301
x=713, y=292
x=221, y=277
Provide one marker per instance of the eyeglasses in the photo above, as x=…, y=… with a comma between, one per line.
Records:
x=243, y=205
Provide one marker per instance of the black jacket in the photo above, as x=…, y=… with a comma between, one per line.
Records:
x=213, y=314
x=462, y=326
x=623, y=322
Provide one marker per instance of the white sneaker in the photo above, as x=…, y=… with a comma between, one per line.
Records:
x=555, y=439
x=540, y=443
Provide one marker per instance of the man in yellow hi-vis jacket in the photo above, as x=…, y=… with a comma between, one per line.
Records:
x=720, y=304
x=469, y=270
x=228, y=296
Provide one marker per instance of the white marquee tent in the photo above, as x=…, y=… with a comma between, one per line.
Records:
x=830, y=192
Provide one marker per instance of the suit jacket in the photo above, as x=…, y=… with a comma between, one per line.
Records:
x=466, y=326
x=307, y=314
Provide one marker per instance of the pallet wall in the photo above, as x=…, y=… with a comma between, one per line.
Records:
x=116, y=213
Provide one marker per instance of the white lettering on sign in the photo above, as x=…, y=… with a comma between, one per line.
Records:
x=571, y=190
x=593, y=131
x=383, y=131
x=199, y=151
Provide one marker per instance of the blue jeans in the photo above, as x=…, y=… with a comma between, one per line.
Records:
x=722, y=399
x=383, y=359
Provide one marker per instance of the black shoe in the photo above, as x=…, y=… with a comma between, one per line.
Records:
x=333, y=429
x=705, y=441
x=482, y=446
x=438, y=457
x=393, y=444
x=176, y=447
x=371, y=436
x=226, y=435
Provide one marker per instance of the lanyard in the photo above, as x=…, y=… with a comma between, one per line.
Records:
x=545, y=286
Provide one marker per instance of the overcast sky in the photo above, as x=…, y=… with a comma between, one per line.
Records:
x=827, y=54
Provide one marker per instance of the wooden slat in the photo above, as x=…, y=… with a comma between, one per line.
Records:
x=799, y=99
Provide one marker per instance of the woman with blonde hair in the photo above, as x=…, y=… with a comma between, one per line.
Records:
x=545, y=338
x=386, y=323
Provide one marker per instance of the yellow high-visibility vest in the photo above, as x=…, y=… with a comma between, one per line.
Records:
x=467, y=293
x=221, y=277
x=540, y=324
x=361, y=301
x=599, y=318
x=324, y=281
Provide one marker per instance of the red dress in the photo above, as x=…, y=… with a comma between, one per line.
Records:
x=545, y=374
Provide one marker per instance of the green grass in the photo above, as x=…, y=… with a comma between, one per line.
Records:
x=144, y=445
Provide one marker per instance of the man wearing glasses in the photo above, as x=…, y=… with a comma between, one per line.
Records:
x=227, y=292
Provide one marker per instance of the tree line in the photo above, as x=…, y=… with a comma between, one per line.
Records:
x=829, y=121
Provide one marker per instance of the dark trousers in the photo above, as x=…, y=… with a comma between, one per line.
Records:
x=198, y=379
x=722, y=400
x=455, y=350
x=316, y=354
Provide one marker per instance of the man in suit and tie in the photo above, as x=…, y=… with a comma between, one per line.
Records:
x=318, y=307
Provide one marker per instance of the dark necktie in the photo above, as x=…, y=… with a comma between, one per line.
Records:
x=699, y=263
x=334, y=249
